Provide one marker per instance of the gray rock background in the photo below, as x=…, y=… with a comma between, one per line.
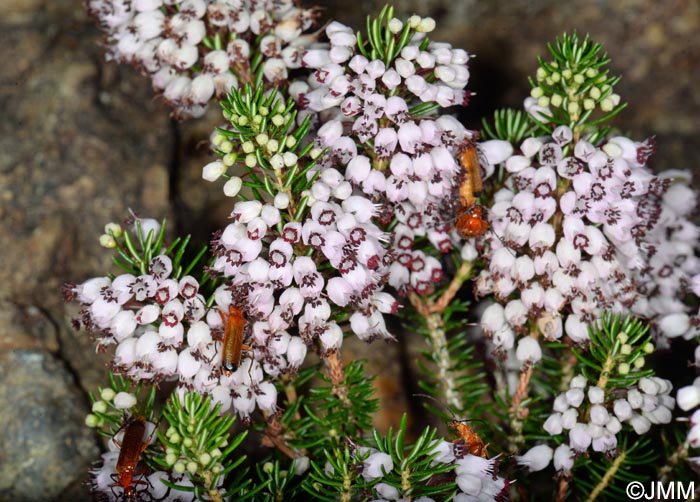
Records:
x=81, y=141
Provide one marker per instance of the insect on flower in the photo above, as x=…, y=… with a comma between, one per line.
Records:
x=233, y=346
x=132, y=445
x=471, y=182
x=471, y=217
x=469, y=439
x=471, y=221
x=466, y=437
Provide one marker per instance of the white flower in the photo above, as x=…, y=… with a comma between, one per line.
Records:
x=640, y=424
x=635, y=399
x=123, y=324
x=296, y=351
x=496, y=150
x=469, y=484
x=233, y=186
x=580, y=437
x=694, y=436
x=563, y=458
x=377, y=465
x=568, y=418
x=536, y=458
x=187, y=365
x=574, y=397
x=528, y=350
x=553, y=424
x=266, y=396
x=688, y=397
x=596, y=395
x=599, y=415
x=674, y=325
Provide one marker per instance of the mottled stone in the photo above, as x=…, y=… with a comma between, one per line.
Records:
x=45, y=444
x=81, y=143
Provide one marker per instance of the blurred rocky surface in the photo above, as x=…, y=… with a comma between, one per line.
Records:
x=44, y=441
x=82, y=141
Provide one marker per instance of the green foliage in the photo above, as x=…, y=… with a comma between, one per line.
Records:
x=198, y=443
x=413, y=469
x=574, y=86
x=280, y=485
x=508, y=124
x=385, y=36
x=339, y=479
x=413, y=474
x=616, y=353
x=332, y=412
x=599, y=477
x=453, y=374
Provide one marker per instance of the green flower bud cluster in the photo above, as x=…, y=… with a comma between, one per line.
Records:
x=617, y=352
x=100, y=408
x=188, y=453
x=113, y=231
x=633, y=355
x=197, y=441
x=261, y=127
x=582, y=90
x=264, y=142
x=576, y=84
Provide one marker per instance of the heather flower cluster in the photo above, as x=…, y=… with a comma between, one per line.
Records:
x=198, y=50
x=589, y=418
x=580, y=228
x=280, y=286
x=476, y=477
x=351, y=190
x=163, y=331
x=379, y=138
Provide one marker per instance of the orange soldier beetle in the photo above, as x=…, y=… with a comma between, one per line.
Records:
x=471, y=222
x=233, y=346
x=130, y=449
x=471, y=184
x=466, y=437
x=471, y=217
x=469, y=439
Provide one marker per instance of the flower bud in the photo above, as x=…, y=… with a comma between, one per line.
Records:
x=107, y=394
x=640, y=424
x=124, y=400
x=233, y=186
x=528, y=350
x=213, y=170
x=622, y=409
